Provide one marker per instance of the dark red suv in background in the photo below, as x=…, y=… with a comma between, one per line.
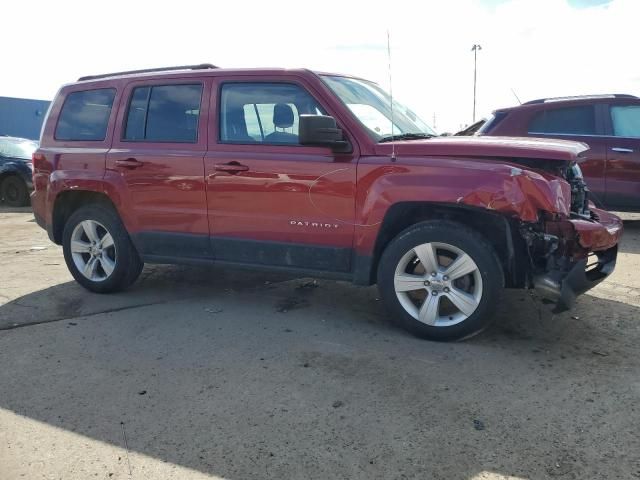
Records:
x=609, y=124
x=305, y=171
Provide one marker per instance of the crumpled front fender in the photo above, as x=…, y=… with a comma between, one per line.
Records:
x=497, y=186
x=492, y=185
x=524, y=193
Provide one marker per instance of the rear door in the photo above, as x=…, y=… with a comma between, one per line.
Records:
x=581, y=123
x=623, y=153
x=157, y=159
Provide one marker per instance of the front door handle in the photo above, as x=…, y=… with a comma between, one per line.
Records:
x=622, y=150
x=232, y=167
x=129, y=163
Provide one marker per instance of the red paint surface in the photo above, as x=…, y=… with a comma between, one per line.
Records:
x=296, y=194
x=601, y=235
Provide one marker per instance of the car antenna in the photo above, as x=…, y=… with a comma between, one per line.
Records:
x=516, y=95
x=393, y=143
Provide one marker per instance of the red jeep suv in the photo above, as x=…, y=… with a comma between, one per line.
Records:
x=318, y=174
x=609, y=124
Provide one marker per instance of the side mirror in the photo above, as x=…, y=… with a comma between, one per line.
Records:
x=322, y=131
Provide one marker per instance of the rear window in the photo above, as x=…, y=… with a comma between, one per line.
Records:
x=85, y=115
x=164, y=113
x=565, y=121
x=492, y=122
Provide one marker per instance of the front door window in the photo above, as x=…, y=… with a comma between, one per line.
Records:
x=266, y=113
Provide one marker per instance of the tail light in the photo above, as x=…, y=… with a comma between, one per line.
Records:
x=39, y=165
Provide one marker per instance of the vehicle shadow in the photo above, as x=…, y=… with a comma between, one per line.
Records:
x=305, y=379
x=7, y=209
x=158, y=284
x=631, y=238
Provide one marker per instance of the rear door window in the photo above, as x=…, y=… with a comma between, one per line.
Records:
x=626, y=121
x=579, y=120
x=85, y=115
x=164, y=113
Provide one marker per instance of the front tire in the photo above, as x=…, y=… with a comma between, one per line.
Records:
x=440, y=280
x=98, y=250
x=14, y=191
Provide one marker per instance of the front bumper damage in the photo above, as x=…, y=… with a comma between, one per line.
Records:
x=582, y=254
x=563, y=286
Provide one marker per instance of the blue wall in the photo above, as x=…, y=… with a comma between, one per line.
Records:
x=22, y=117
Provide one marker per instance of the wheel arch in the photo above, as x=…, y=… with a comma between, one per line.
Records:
x=68, y=201
x=499, y=230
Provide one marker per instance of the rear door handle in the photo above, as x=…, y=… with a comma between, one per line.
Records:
x=622, y=150
x=233, y=167
x=129, y=163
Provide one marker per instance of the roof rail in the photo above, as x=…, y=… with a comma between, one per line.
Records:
x=578, y=97
x=202, y=66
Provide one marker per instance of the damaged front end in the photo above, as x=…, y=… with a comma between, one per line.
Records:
x=570, y=249
x=569, y=256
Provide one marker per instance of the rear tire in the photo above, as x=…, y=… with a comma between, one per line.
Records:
x=440, y=280
x=14, y=191
x=98, y=250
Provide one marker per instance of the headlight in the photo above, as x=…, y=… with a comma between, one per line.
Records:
x=574, y=172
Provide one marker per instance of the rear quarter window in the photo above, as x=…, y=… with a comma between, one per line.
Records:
x=579, y=120
x=85, y=115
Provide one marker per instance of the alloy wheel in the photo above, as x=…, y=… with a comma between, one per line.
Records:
x=438, y=284
x=93, y=250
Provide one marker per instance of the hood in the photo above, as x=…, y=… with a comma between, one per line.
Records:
x=496, y=147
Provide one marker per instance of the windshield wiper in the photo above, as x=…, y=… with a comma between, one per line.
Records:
x=406, y=136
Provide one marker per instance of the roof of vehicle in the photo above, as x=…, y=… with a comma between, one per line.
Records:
x=570, y=100
x=579, y=98
x=197, y=69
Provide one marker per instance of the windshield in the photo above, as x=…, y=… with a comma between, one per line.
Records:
x=17, y=148
x=371, y=106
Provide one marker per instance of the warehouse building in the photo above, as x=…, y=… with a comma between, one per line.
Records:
x=22, y=117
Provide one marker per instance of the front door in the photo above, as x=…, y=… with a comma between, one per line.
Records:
x=157, y=158
x=271, y=200
x=623, y=164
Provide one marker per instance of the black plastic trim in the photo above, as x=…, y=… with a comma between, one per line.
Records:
x=176, y=245
x=168, y=247
x=307, y=272
x=363, y=270
x=291, y=255
x=564, y=286
x=201, y=66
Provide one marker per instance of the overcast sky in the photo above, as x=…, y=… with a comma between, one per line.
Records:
x=538, y=48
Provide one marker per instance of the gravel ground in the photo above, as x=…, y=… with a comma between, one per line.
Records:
x=197, y=373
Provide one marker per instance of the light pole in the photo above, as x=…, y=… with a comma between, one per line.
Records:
x=475, y=50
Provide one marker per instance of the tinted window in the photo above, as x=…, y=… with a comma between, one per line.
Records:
x=85, y=115
x=263, y=112
x=626, y=121
x=492, y=122
x=137, y=115
x=165, y=113
x=571, y=120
